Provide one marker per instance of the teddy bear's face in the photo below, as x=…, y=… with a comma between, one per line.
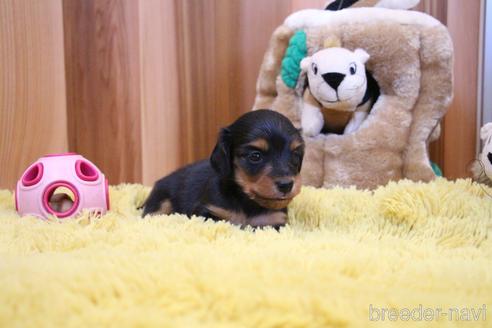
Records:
x=337, y=77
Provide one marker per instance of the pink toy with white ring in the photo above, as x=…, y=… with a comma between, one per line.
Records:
x=61, y=185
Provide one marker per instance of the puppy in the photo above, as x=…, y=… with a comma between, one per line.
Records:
x=250, y=178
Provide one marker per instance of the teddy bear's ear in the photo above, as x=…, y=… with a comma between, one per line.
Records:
x=362, y=55
x=306, y=63
x=486, y=131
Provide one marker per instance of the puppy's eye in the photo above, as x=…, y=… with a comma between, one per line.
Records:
x=255, y=157
x=353, y=68
x=315, y=68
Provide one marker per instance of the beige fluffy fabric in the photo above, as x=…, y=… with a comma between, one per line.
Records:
x=412, y=60
x=403, y=246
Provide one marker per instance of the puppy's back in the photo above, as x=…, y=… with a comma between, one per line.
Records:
x=180, y=191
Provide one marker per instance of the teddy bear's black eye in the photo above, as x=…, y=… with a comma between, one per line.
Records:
x=315, y=68
x=353, y=68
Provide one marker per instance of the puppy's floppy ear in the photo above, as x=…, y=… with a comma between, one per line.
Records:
x=221, y=158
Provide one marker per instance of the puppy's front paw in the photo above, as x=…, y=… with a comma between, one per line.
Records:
x=272, y=219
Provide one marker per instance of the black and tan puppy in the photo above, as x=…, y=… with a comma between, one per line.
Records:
x=252, y=175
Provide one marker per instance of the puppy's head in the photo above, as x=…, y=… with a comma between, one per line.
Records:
x=262, y=152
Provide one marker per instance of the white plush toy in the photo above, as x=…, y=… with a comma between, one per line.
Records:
x=390, y=4
x=338, y=97
x=482, y=169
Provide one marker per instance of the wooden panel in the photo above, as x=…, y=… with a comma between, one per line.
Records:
x=437, y=9
x=103, y=87
x=32, y=84
x=221, y=44
x=455, y=149
x=256, y=28
x=460, y=122
x=150, y=82
x=196, y=68
x=305, y=4
x=160, y=110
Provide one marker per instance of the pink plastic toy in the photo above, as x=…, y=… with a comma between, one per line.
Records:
x=61, y=185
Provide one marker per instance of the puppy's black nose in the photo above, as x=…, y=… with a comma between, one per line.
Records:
x=489, y=156
x=333, y=79
x=284, y=186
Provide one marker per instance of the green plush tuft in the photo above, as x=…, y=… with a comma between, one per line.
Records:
x=296, y=51
x=436, y=169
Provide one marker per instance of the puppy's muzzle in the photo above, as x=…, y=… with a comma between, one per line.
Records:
x=284, y=185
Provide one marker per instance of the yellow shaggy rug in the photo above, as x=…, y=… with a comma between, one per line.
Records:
x=408, y=253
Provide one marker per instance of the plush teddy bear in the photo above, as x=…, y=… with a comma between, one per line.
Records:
x=482, y=168
x=339, y=94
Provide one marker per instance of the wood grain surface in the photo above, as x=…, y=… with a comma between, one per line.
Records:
x=459, y=136
x=159, y=98
x=439, y=10
x=103, y=85
x=455, y=149
x=32, y=85
x=142, y=87
x=220, y=47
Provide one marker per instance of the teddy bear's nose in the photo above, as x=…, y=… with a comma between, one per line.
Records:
x=333, y=79
x=489, y=156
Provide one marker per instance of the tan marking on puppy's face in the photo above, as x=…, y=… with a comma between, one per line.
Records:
x=262, y=189
x=260, y=184
x=297, y=186
x=295, y=144
x=279, y=201
x=260, y=144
